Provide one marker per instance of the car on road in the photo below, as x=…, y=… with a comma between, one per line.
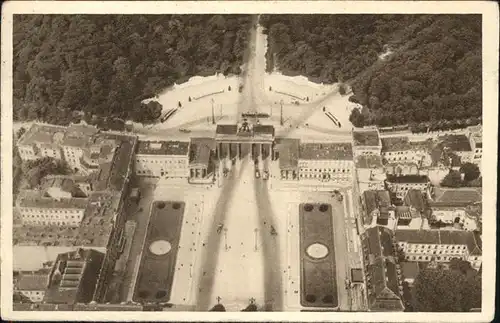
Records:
x=257, y=173
x=266, y=175
x=184, y=130
x=225, y=171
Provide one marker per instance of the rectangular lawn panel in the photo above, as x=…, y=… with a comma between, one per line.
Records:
x=318, y=284
x=157, y=267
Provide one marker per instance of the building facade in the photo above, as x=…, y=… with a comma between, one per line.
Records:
x=41, y=140
x=400, y=185
x=366, y=142
x=162, y=159
x=401, y=150
x=201, y=160
x=326, y=162
x=440, y=245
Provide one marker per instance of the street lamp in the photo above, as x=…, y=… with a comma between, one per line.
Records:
x=281, y=117
x=225, y=238
x=213, y=114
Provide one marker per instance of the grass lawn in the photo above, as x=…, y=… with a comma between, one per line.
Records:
x=318, y=281
x=157, y=268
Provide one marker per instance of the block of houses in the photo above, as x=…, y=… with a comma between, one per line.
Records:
x=370, y=172
x=458, y=144
x=475, y=135
x=382, y=271
x=326, y=161
x=201, y=160
x=286, y=151
x=32, y=284
x=401, y=150
x=376, y=207
x=74, y=277
x=440, y=245
x=400, y=185
x=366, y=141
x=162, y=159
x=41, y=140
x=451, y=206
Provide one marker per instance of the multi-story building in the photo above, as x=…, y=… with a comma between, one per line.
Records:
x=32, y=284
x=400, y=185
x=201, y=163
x=37, y=209
x=401, y=150
x=74, y=277
x=440, y=245
x=326, y=161
x=382, y=271
x=366, y=141
x=287, y=153
x=76, y=140
x=376, y=205
x=162, y=159
x=458, y=144
x=40, y=141
x=476, y=142
x=370, y=172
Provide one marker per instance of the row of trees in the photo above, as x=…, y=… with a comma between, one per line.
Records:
x=105, y=65
x=433, y=72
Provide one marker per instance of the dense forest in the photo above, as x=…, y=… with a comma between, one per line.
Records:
x=105, y=65
x=432, y=72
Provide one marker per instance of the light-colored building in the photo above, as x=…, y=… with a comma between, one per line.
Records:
x=458, y=144
x=37, y=209
x=476, y=142
x=440, y=245
x=401, y=150
x=32, y=284
x=287, y=153
x=400, y=185
x=370, y=172
x=201, y=163
x=162, y=159
x=76, y=140
x=366, y=141
x=326, y=161
x=41, y=140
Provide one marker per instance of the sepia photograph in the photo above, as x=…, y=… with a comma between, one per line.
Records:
x=314, y=157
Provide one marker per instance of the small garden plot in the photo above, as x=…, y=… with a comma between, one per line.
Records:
x=157, y=268
x=318, y=284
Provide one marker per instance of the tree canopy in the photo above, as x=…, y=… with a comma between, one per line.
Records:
x=105, y=65
x=471, y=171
x=35, y=170
x=431, y=75
x=456, y=289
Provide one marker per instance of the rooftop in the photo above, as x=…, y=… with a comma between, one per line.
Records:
x=32, y=280
x=79, y=135
x=260, y=129
x=325, y=151
x=395, y=144
x=415, y=199
x=456, y=142
x=200, y=150
x=74, y=276
x=366, y=138
x=445, y=237
x=405, y=212
x=368, y=161
x=458, y=196
x=94, y=230
x=407, y=178
x=381, y=269
x=226, y=129
x=42, y=134
x=36, y=199
x=288, y=153
x=176, y=148
x=375, y=199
